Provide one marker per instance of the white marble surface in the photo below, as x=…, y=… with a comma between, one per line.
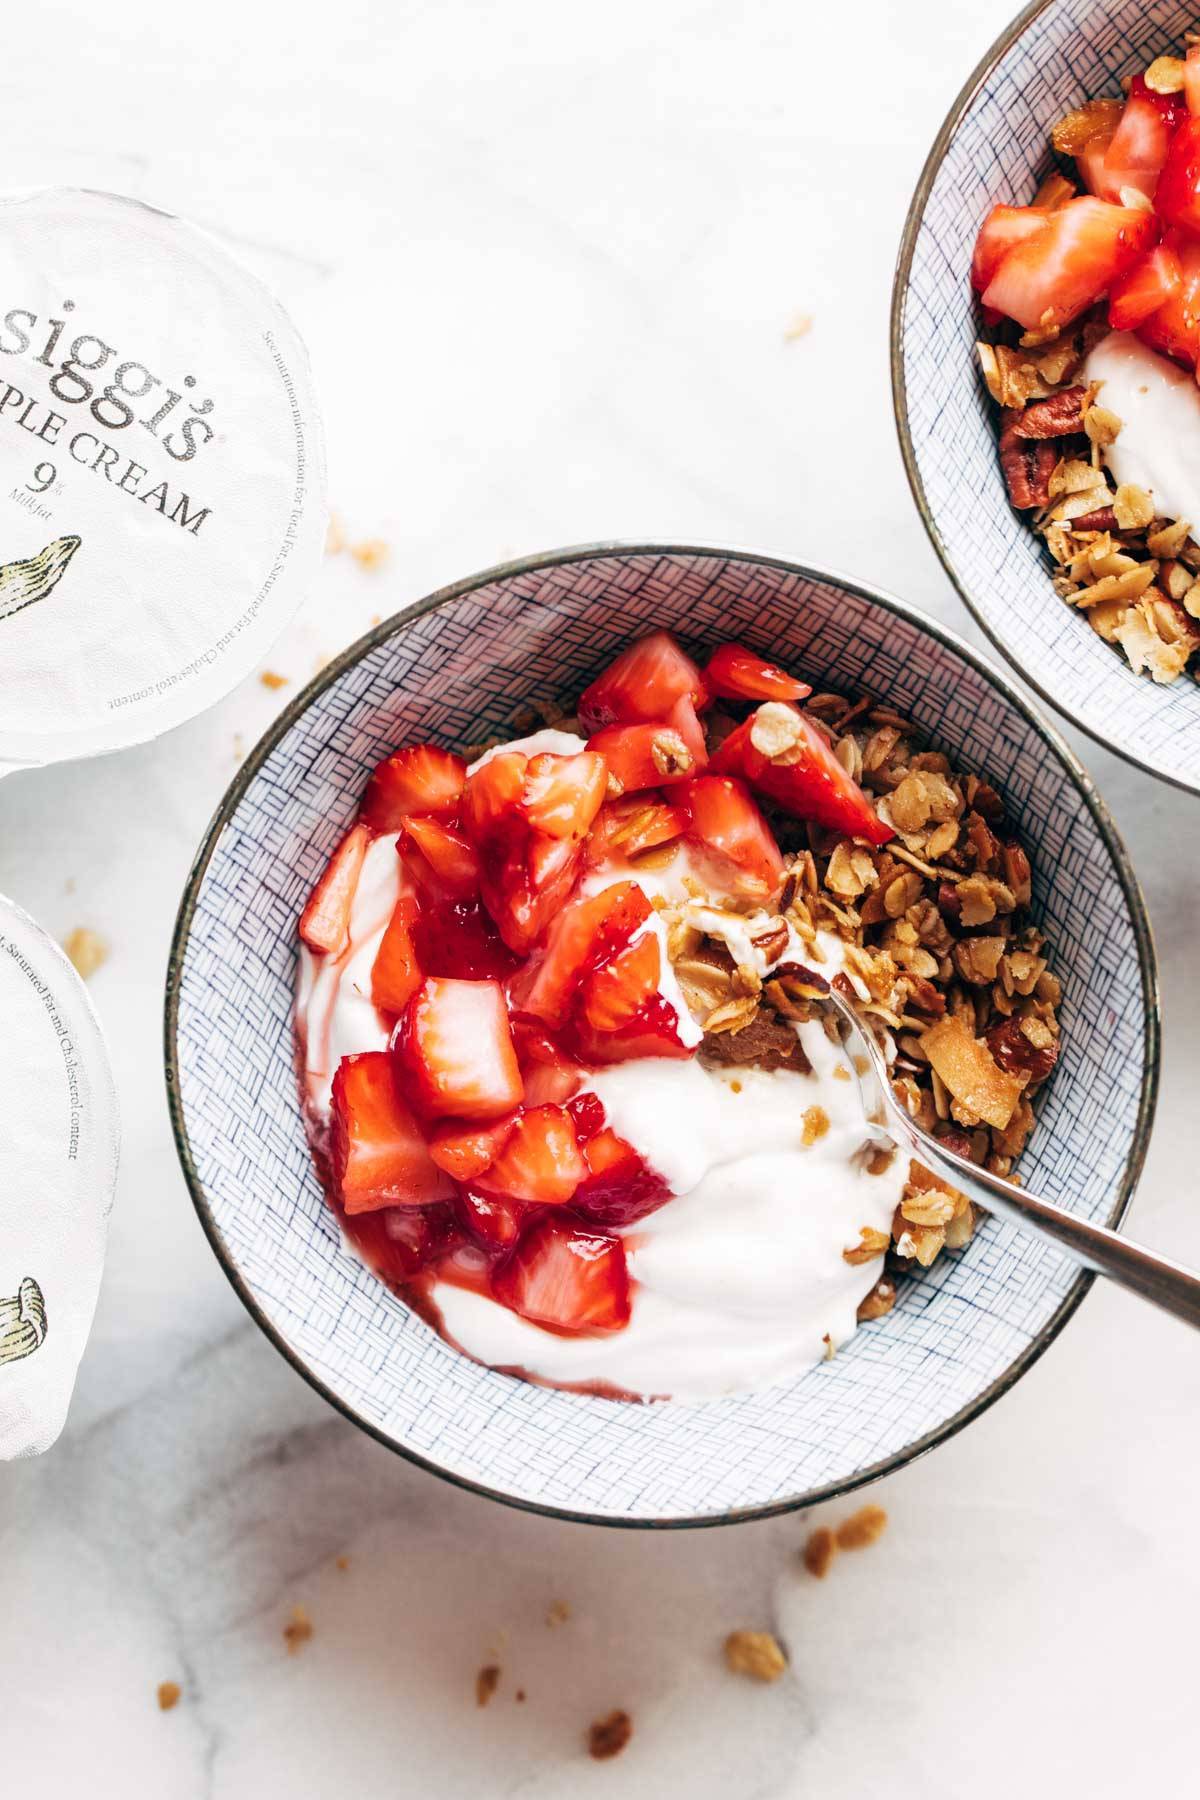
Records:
x=566, y=243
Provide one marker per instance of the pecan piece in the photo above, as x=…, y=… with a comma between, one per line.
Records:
x=1027, y=466
x=1015, y=1052
x=1057, y=416
x=1103, y=519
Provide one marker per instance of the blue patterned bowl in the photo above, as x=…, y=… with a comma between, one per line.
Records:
x=457, y=668
x=995, y=145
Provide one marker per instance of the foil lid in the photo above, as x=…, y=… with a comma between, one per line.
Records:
x=59, y=1134
x=162, y=473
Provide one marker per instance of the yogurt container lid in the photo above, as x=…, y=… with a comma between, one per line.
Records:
x=162, y=473
x=59, y=1133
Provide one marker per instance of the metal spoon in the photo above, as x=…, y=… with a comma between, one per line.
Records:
x=1167, y=1284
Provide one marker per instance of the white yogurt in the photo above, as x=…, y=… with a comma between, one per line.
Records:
x=1158, y=403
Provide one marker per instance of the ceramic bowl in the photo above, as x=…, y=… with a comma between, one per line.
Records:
x=458, y=668
x=995, y=145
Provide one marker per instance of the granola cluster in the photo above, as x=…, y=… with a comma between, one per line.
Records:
x=939, y=951
x=1134, y=576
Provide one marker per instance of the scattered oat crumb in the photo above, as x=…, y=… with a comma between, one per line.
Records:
x=270, y=679
x=519, y=1695
x=486, y=1683
x=559, y=1613
x=370, y=553
x=239, y=746
x=342, y=1563
x=377, y=618
x=841, y=1072
x=335, y=537
x=169, y=1693
x=87, y=950
x=298, y=1630
x=800, y=327
x=862, y=1528
x=816, y=1124
x=819, y=1551
x=609, y=1736
x=756, y=1654
x=323, y=661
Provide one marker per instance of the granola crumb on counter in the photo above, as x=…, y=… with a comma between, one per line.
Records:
x=486, y=1683
x=298, y=1630
x=608, y=1736
x=371, y=553
x=342, y=1563
x=864, y=1527
x=335, y=536
x=755, y=1654
x=271, y=679
x=520, y=1695
x=558, y=1613
x=87, y=950
x=800, y=327
x=818, y=1552
x=169, y=1695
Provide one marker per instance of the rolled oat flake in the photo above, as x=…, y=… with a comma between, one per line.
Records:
x=58, y=1168
x=161, y=473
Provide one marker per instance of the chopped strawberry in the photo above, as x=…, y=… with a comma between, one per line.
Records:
x=612, y=995
x=563, y=794
x=1004, y=228
x=325, y=921
x=783, y=755
x=587, y=1110
x=454, y=1051
x=419, y=779
x=540, y=1162
x=461, y=940
x=734, y=836
x=653, y=1032
x=443, y=863
x=1139, y=147
x=566, y=1278
x=376, y=1148
x=464, y=1149
x=1191, y=79
x=736, y=673
x=646, y=756
x=1174, y=328
x=549, y=1074
x=1145, y=287
x=527, y=884
x=398, y=1242
x=619, y=1187
x=582, y=936
x=493, y=794
x=1177, y=196
x=644, y=683
x=636, y=822
x=494, y=1220
x=1051, y=277
x=396, y=973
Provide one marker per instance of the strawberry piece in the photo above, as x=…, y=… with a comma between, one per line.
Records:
x=734, y=837
x=563, y=794
x=1174, y=327
x=1051, y=277
x=612, y=995
x=736, y=673
x=325, y=921
x=378, y=1154
x=454, y=1050
x=443, y=863
x=527, y=885
x=566, y=1279
x=419, y=779
x=583, y=935
x=811, y=783
x=646, y=756
x=654, y=1031
x=550, y=1076
x=540, y=1162
x=1144, y=288
x=399, y=1242
x=587, y=1110
x=619, y=1187
x=461, y=940
x=1177, y=196
x=1141, y=142
x=636, y=822
x=1191, y=79
x=493, y=794
x=642, y=684
x=494, y=1220
x=1004, y=228
x=396, y=973
x=464, y=1149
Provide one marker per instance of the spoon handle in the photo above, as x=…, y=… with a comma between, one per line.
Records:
x=1156, y=1278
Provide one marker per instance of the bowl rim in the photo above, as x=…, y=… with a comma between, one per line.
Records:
x=913, y=221
x=1072, y=768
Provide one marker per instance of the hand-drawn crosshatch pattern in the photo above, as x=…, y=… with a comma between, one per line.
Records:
x=999, y=150
x=458, y=670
